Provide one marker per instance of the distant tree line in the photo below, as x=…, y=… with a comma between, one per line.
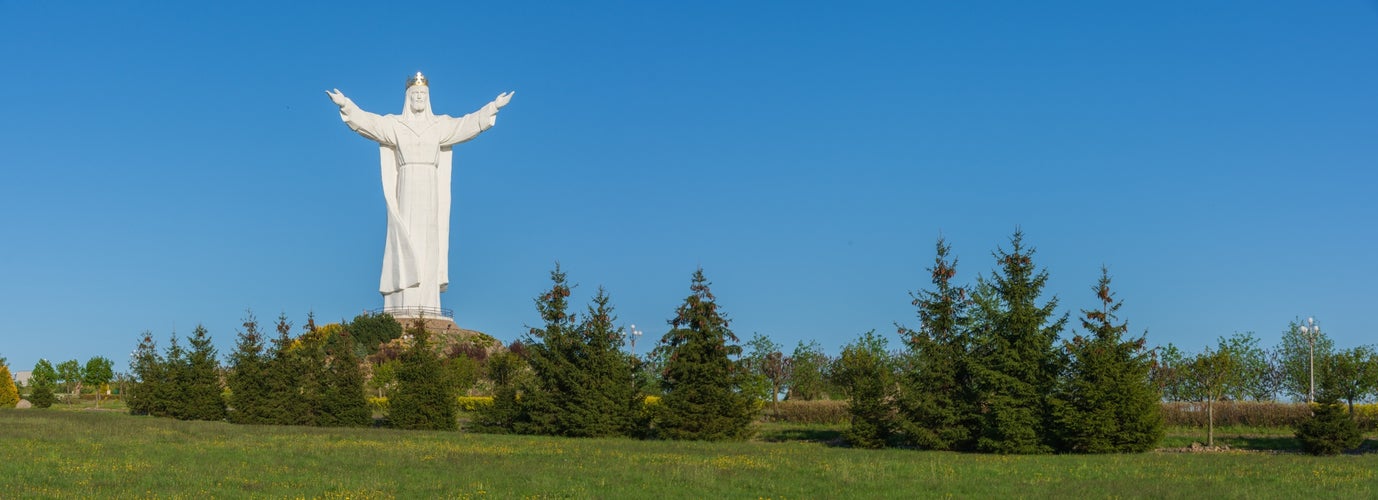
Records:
x=68, y=380
x=1303, y=367
x=1256, y=373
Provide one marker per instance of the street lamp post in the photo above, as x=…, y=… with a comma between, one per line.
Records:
x=635, y=334
x=1310, y=331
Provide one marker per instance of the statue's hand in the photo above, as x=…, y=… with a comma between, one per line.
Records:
x=503, y=99
x=338, y=97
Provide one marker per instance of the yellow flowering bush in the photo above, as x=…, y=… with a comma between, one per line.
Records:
x=474, y=403
x=1366, y=415
x=378, y=404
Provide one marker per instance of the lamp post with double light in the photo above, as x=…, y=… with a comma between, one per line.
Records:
x=1311, y=331
x=633, y=334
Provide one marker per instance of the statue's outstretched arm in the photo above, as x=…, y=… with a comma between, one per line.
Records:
x=366, y=124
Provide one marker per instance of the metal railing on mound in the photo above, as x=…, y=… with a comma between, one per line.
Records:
x=416, y=312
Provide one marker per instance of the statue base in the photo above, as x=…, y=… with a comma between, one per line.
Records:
x=431, y=324
x=445, y=333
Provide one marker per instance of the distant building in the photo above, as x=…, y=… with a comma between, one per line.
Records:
x=22, y=378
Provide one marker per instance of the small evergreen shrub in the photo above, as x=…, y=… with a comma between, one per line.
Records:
x=1329, y=431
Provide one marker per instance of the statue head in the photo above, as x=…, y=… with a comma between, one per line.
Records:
x=418, y=99
x=418, y=96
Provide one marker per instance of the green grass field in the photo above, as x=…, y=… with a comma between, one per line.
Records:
x=107, y=454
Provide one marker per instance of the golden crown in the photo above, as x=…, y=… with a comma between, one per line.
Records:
x=419, y=79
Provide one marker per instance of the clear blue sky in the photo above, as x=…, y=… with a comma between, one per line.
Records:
x=174, y=165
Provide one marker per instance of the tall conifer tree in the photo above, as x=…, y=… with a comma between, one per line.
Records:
x=582, y=383
x=1107, y=403
x=613, y=401
x=1017, y=366
x=552, y=351
x=424, y=400
x=148, y=370
x=170, y=396
x=248, y=376
x=202, y=396
x=936, y=398
x=703, y=397
x=342, y=401
x=286, y=404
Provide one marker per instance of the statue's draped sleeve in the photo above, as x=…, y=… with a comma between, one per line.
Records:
x=468, y=126
x=367, y=124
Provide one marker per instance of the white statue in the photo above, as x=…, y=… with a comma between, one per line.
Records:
x=414, y=152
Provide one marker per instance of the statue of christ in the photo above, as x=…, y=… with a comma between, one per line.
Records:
x=414, y=154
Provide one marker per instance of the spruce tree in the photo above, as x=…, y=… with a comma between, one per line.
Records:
x=248, y=376
x=612, y=400
x=203, y=397
x=170, y=398
x=9, y=394
x=307, y=355
x=148, y=369
x=703, y=395
x=1107, y=403
x=1330, y=430
x=553, y=352
x=581, y=382
x=286, y=404
x=424, y=400
x=1016, y=366
x=43, y=383
x=936, y=398
x=342, y=401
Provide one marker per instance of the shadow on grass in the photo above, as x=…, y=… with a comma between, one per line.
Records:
x=1262, y=443
x=1370, y=445
x=808, y=435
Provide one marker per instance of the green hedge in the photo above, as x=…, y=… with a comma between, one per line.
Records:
x=1256, y=414
x=806, y=412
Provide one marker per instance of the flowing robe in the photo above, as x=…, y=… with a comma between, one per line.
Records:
x=414, y=158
